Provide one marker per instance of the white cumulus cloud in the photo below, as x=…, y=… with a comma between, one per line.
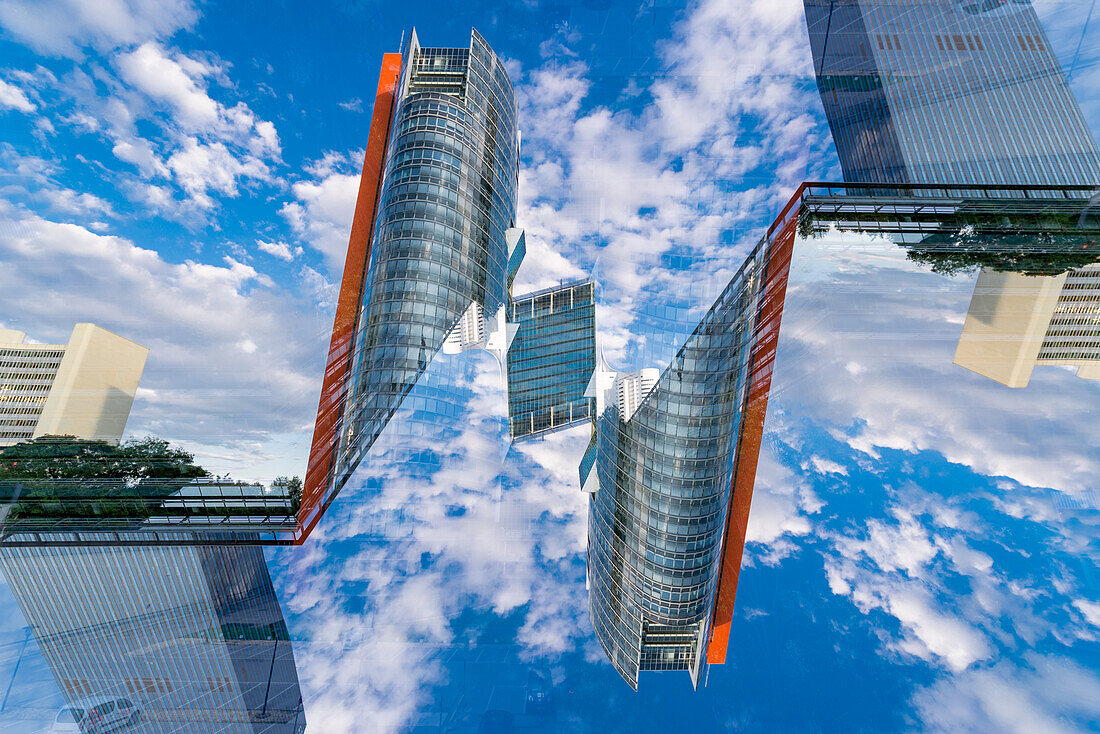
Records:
x=12, y=97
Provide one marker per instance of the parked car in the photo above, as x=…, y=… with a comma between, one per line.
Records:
x=96, y=716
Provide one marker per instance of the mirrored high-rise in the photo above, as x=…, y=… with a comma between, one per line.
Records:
x=659, y=469
x=918, y=92
x=160, y=639
x=551, y=358
x=947, y=91
x=429, y=241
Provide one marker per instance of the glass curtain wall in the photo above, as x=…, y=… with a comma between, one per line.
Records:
x=448, y=197
x=947, y=91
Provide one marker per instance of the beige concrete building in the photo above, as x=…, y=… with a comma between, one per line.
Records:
x=1016, y=322
x=84, y=388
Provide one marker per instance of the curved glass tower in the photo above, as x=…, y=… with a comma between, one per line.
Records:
x=663, y=458
x=448, y=196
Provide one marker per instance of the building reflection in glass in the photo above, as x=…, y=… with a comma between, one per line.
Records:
x=675, y=460
x=1017, y=321
x=160, y=639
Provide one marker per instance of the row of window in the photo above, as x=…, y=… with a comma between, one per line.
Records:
x=475, y=113
x=1083, y=320
x=17, y=409
x=462, y=210
x=22, y=379
x=154, y=685
x=661, y=534
x=958, y=42
x=602, y=532
x=20, y=423
x=1056, y=353
x=1093, y=332
x=676, y=599
x=414, y=117
x=50, y=367
x=455, y=143
x=425, y=174
x=532, y=365
x=662, y=525
x=1092, y=343
x=429, y=271
x=1080, y=298
x=25, y=353
x=30, y=399
x=1030, y=43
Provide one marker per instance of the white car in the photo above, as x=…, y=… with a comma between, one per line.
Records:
x=95, y=716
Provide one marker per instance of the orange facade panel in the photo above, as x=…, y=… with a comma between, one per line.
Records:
x=334, y=387
x=762, y=360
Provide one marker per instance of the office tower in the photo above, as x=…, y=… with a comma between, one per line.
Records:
x=942, y=91
x=429, y=242
x=84, y=388
x=669, y=471
x=551, y=358
x=1018, y=321
x=193, y=637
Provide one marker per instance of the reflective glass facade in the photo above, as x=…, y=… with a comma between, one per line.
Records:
x=669, y=512
x=656, y=521
x=192, y=638
x=448, y=197
x=936, y=91
x=551, y=358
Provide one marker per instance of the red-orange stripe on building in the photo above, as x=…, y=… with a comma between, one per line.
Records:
x=762, y=360
x=334, y=387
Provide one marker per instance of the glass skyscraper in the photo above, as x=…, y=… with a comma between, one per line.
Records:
x=551, y=358
x=664, y=456
x=448, y=197
x=947, y=91
x=429, y=242
x=433, y=254
x=956, y=95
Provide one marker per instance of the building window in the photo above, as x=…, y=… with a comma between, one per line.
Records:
x=1030, y=43
x=957, y=42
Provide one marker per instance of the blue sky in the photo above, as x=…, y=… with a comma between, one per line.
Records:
x=184, y=174
x=194, y=167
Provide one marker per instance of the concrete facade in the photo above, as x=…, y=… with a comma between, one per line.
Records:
x=1017, y=321
x=84, y=388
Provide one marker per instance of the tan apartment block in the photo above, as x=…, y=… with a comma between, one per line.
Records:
x=84, y=388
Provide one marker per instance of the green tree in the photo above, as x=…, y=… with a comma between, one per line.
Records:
x=66, y=457
x=59, y=477
x=293, y=488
